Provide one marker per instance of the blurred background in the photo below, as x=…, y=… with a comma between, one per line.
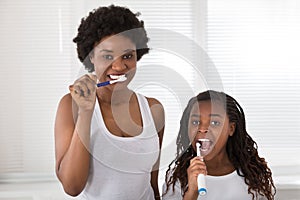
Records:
x=254, y=47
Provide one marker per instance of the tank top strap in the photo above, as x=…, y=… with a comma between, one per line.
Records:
x=145, y=110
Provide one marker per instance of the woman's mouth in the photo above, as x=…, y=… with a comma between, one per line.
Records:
x=116, y=77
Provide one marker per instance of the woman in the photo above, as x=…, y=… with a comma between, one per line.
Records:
x=108, y=138
x=229, y=157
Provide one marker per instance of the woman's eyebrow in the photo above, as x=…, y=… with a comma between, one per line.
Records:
x=129, y=50
x=111, y=51
x=105, y=50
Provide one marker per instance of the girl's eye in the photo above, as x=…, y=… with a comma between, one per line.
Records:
x=127, y=56
x=195, y=122
x=108, y=57
x=215, y=123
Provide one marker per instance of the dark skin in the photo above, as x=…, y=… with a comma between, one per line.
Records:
x=208, y=120
x=116, y=56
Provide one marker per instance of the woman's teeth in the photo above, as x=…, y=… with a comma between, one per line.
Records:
x=115, y=77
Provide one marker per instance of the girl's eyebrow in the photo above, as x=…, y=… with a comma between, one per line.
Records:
x=195, y=115
x=211, y=115
x=216, y=115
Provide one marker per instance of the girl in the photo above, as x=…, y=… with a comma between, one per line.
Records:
x=229, y=159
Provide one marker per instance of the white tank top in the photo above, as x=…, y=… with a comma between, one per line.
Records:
x=120, y=166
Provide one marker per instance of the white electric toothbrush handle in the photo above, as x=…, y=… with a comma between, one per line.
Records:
x=201, y=177
x=201, y=184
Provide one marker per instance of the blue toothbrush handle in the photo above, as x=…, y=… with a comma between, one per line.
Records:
x=103, y=84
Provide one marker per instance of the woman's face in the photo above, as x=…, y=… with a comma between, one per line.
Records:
x=115, y=56
x=208, y=120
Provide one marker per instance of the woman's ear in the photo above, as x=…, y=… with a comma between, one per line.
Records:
x=91, y=57
x=231, y=128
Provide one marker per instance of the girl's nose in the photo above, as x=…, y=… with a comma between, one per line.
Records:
x=203, y=127
x=202, y=130
x=118, y=64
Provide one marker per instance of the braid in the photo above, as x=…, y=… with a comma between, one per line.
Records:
x=241, y=149
x=179, y=172
x=242, y=152
x=185, y=153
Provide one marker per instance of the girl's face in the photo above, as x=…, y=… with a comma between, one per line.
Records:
x=115, y=56
x=208, y=120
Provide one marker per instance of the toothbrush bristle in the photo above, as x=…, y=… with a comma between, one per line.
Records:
x=122, y=78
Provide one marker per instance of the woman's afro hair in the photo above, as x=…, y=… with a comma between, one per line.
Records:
x=108, y=21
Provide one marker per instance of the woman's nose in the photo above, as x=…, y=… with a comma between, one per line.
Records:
x=118, y=64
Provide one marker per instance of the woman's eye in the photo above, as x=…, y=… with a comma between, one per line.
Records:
x=108, y=57
x=127, y=56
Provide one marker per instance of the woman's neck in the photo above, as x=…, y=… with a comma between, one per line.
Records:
x=114, y=97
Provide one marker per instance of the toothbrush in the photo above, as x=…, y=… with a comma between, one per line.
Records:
x=201, y=177
x=120, y=79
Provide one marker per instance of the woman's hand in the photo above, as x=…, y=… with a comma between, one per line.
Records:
x=83, y=92
x=197, y=166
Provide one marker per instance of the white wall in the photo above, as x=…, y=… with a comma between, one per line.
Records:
x=38, y=62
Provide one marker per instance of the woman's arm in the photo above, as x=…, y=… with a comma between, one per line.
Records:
x=72, y=156
x=72, y=134
x=158, y=115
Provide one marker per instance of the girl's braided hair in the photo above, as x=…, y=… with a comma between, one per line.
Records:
x=241, y=149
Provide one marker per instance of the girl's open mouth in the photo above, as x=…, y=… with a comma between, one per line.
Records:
x=205, y=144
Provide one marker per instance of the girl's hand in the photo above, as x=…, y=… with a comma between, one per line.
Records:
x=83, y=92
x=197, y=166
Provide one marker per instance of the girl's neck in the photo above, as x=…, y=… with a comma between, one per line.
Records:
x=220, y=165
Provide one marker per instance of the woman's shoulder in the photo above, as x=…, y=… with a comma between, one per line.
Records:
x=155, y=105
x=67, y=98
x=66, y=105
x=158, y=114
x=152, y=101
